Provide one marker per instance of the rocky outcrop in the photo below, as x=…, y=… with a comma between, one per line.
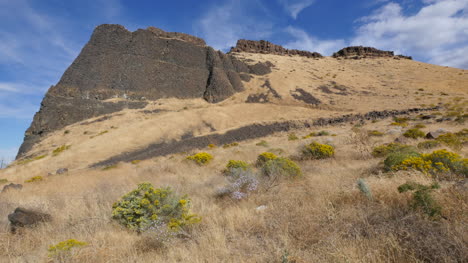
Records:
x=136, y=67
x=265, y=47
x=357, y=52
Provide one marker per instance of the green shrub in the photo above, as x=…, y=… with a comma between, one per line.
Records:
x=414, y=133
x=64, y=247
x=292, y=137
x=362, y=186
x=135, y=161
x=229, y=145
x=443, y=161
x=314, y=134
x=419, y=126
x=201, y=158
x=265, y=157
x=428, y=144
x=375, y=133
x=109, y=167
x=147, y=206
x=397, y=157
x=422, y=198
x=386, y=149
x=33, y=179
x=316, y=150
x=3, y=181
x=453, y=140
x=211, y=146
x=60, y=149
x=262, y=143
x=233, y=164
x=281, y=167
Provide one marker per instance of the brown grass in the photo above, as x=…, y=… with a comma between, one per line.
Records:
x=321, y=217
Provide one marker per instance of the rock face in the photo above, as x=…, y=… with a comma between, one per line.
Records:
x=135, y=67
x=265, y=47
x=357, y=52
x=22, y=217
x=12, y=186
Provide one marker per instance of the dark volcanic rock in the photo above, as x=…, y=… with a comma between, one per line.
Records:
x=357, y=52
x=136, y=67
x=22, y=217
x=266, y=47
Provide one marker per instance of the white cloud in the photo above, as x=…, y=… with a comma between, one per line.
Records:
x=222, y=25
x=303, y=41
x=294, y=7
x=440, y=28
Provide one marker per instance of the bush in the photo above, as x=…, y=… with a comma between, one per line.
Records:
x=375, y=133
x=34, y=179
x=397, y=157
x=233, y=164
x=201, y=158
x=60, y=149
x=414, y=133
x=281, y=167
x=316, y=150
x=147, y=207
x=452, y=140
x=229, y=145
x=362, y=186
x=422, y=198
x=241, y=184
x=428, y=144
x=386, y=149
x=265, y=157
x=211, y=146
x=64, y=247
x=292, y=137
x=262, y=143
x=441, y=161
x=419, y=126
x=314, y=134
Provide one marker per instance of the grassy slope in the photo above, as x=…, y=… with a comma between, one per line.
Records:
x=321, y=217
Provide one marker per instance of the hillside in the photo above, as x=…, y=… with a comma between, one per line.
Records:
x=266, y=99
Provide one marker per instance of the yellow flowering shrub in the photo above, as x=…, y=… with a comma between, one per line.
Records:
x=317, y=150
x=414, y=163
x=33, y=179
x=201, y=158
x=147, y=206
x=414, y=133
x=265, y=157
x=64, y=247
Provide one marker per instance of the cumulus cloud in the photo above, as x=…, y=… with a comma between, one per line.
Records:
x=294, y=7
x=222, y=25
x=304, y=41
x=437, y=33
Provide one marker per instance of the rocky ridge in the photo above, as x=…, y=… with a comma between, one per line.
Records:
x=265, y=47
x=357, y=52
x=136, y=67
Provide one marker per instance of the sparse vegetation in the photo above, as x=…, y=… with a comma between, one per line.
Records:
x=292, y=137
x=60, y=149
x=234, y=164
x=428, y=144
x=386, y=149
x=262, y=143
x=229, y=145
x=422, y=198
x=25, y=161
x=110, y=167
x=3, y=181
x=241, y=183
x=135, y=161
x=375, y=133
x=62, y=250
x=33, y=179
x=201, y=158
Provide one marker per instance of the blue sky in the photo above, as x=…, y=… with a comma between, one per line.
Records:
x=39, y=39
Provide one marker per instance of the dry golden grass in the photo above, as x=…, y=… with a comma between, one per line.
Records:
x=321, y=217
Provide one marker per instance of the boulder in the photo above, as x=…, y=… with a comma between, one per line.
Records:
x=12, y=186
x=22, y=217
x=62, y=171
x=435, y=134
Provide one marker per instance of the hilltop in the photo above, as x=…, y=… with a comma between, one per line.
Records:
x=134, y=105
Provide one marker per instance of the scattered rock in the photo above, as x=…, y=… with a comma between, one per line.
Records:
x=22, y=217
x=265, y=47
x=435, y=134
x=62, y=171
x=427, y=117
x=12, y=186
